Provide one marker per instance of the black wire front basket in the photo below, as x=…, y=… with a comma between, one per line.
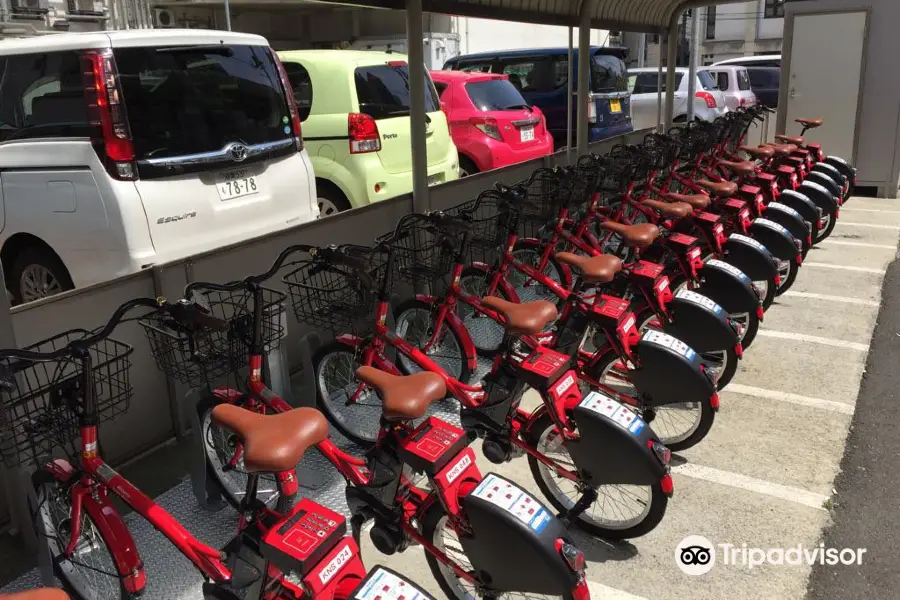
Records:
x=42, y=401
x=423, y=253
x=333, y=297
x=201, y=357
x=488, y=214
x=546, y=191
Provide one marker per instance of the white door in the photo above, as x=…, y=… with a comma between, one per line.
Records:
x=824, y=79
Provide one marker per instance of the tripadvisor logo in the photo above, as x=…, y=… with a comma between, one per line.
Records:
x=696, y=555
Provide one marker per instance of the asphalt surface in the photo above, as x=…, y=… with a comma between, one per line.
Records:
x=866, y=502
x=765, y=476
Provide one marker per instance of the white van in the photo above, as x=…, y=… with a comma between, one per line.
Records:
x=124, y=149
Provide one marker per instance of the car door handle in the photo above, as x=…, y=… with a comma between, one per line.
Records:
x=793, y=93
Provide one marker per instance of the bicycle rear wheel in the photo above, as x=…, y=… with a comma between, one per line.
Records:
x=91, y=571
x=415, y=323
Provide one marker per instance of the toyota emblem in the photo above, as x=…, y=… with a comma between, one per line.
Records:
x=237, y=152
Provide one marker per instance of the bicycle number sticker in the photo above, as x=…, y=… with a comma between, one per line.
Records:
x=335, y=564
x=730, y=268
x=458, y=468
x=563, y=386
x=384, y=585
x=695, y=298
x=664, y=339
x=106, y=472
x=786, y=208
x=620, y=414
x=513, y=500
x=749, y=240
x=773, y=225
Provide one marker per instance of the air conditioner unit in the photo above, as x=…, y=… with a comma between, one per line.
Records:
x=163, y=18
x=86, y=7
x=30, y=6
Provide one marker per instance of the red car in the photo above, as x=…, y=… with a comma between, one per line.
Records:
x=490, y=122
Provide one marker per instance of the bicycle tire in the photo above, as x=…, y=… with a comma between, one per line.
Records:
x=347, y=429
x=822, y=234
x=406, y=365
x=704, y=424
x=788, y=281
x=649, y=522
x=39, y=506
x=432, y=522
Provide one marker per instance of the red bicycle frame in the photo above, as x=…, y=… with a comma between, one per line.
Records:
x=90, y=494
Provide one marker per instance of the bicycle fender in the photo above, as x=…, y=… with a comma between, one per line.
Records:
x=700, y=323
x=820, y=196
x=124, y=551
x=751, y=257
x=669, y=371
x=516, y=544
x=776, y=238
x=728, y=286
x=802, y=204
x=788, y=218
x=609, y=429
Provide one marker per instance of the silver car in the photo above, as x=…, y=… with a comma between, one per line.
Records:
x=708, y=100
x=734, y=82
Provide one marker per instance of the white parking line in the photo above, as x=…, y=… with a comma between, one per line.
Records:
x=842, y=299
x=830, y=242
x=870, y=225
x=736, y=480
x=813, y=339
x=604, y=592
x=843, y=267
x=874, y=210
x=749, y=390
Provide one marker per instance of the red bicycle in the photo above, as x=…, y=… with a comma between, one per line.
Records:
x=484, y=516
x=58, y=391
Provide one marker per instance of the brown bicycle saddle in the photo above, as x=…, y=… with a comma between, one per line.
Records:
x=404, y=397
x=593, y=269
x=527, y=318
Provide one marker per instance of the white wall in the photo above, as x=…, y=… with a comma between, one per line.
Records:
x=485, y=35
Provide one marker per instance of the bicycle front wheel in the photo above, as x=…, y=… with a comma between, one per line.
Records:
x=90, y=572
x=415, y=322
x=351, y=407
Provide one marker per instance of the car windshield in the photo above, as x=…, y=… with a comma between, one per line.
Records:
x=743, y=80
x=707, y=81
x=496, y=94
x=195, y=99
x=383, y=91
x=609, y=74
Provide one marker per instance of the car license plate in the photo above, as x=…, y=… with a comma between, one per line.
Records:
x=435, y=179
x=615, y=105
x=235, y=184
x=527, y=134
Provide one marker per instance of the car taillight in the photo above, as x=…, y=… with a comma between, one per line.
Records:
x=107, y=113
x=291, y=101
x=571, y=554
x=708, y=98
x=743, y=101
x=363, y=131
x=591, y=109
x=488, y=126
x=662, y=453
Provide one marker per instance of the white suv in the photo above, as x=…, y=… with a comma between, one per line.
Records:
x=124, y=149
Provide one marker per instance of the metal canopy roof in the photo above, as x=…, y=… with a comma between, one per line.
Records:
x=629, y=15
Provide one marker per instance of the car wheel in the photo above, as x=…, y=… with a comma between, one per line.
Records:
x=466, y=167
x=37, y=273
x=331, y=201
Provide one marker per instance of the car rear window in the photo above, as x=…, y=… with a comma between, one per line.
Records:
x=609, y=74
x=383, y=91
x=707, y=81
x=194, y=99
x=496, y=94
x=743, y=80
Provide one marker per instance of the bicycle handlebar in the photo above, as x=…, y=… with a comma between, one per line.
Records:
x=187, y=313
x=333, y=254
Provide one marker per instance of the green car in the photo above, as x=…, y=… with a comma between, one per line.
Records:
x=354, y=107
